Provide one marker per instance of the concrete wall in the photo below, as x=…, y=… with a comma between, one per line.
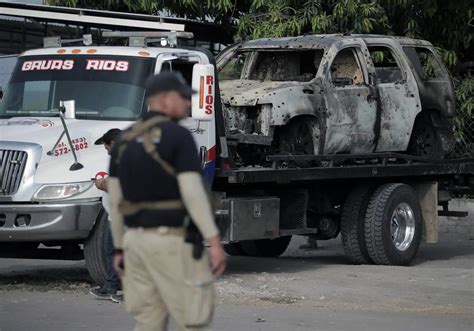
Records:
x=454, y=225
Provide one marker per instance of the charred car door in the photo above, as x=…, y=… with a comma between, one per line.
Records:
x=349, y=98
x=398, y=94
x=434, y=83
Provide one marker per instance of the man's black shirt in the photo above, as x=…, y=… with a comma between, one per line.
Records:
x=143, y=179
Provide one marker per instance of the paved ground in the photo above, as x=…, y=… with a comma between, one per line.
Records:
x=304, y=290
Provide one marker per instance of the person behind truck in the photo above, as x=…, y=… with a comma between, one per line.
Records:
x=112, y=282
x=157, y=193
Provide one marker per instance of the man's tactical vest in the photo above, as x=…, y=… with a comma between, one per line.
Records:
x=147, y=132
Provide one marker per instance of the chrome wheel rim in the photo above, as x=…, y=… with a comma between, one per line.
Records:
x=402, y=226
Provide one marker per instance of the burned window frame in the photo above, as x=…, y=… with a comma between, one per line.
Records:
x=252, y=60
x=411, y=52
x=398, y=60
x=358, y=55
x=232, y=58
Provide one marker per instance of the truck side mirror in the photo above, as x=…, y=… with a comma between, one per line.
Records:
x=202, y=102
x=68, y=108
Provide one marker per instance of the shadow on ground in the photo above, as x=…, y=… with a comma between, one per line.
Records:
x=35, y=275
x=40, y=275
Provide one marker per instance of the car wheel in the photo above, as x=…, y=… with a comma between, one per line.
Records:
x=94, y=251
x=426, y=140
x=297, y=138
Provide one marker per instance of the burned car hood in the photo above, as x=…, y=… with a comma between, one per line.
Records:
x=250, y=92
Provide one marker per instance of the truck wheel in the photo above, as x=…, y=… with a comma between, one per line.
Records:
x=297, y=138
x=352, y=225
x=328, y=228
x=94, y=251
x=234, y=249
x=426, y=140
x=393, y=225
x=265, y=247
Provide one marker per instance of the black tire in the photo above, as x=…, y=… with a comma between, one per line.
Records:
x=352, y=225
x=94, y=251
x=426, y=140
x=297, y=138
x=18, y=249
x=234, y=249
x=266, y=247
x=378, y=224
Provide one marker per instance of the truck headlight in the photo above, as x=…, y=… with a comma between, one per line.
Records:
x=61, y=191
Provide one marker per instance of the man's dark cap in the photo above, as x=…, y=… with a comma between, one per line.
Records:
x=168, y=81
x=109, y=137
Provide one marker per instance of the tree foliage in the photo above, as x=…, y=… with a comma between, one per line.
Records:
x=445, y=23
x=219, y=11
x=292, y=17
x=464, y=120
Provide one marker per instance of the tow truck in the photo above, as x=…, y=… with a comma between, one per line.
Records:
x=61, y=99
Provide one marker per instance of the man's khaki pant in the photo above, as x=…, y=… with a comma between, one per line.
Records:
x=162, y=279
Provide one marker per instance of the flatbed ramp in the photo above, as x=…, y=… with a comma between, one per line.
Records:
x=334, y=167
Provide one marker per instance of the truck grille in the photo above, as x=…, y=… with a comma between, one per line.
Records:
x=12, y=166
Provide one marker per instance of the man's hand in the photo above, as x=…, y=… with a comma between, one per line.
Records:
x=118, y=264
x=217, y=256
x=101, y=184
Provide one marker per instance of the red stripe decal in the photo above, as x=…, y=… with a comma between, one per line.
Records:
x=211, y=153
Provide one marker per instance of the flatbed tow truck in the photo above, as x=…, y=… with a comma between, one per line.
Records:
x=381, y=203
x=436, y=182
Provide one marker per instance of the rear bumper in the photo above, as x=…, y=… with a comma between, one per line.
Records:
x=47, y=222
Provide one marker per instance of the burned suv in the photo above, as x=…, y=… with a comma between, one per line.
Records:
x=335, y=94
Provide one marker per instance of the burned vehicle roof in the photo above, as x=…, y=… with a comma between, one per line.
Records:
x=320, y=41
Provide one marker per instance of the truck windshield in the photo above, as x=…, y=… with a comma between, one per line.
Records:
x=273, y=65
x=103, y=87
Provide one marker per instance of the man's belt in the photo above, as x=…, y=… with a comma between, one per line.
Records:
x=128, y=208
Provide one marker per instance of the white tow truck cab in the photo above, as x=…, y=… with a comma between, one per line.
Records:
x=58, y=102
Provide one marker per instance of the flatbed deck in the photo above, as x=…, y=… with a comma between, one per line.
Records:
x=334, y=167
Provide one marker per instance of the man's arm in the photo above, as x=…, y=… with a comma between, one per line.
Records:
x=115, y=196
x=117, y=225
x=101, y=184
x=197, y=203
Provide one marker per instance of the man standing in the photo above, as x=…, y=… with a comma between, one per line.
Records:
x=112, y=282
x=156, y=189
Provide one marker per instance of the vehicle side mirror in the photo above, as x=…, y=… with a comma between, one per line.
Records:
x=1, y=93
x=68, y=108
x=202, y=102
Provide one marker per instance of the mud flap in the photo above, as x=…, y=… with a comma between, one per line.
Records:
x=427, y=193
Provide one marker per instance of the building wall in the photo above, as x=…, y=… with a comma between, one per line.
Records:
x=461, y=226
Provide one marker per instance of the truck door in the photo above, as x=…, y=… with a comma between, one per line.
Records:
x=198, y=73
x=350, y=101
x=398, y=95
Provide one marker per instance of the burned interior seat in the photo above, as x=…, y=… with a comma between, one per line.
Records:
x=345, y=67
